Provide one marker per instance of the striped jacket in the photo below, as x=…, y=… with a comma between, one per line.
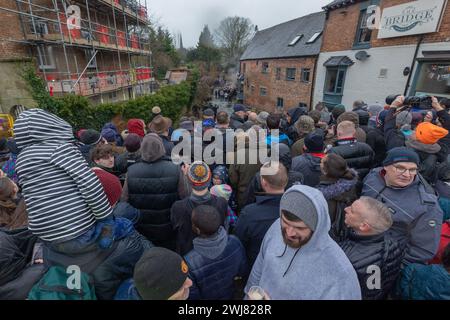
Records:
x=64, y=197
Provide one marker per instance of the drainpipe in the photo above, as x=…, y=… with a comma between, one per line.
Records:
x=313, y=83
x=408, y=83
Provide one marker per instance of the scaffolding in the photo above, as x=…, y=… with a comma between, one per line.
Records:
x=112, y=41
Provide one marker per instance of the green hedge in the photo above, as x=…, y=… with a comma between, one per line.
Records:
x=80, y=113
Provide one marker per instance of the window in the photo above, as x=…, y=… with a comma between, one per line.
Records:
x=306, y=74
x=280, y=102
x=244, y=67
x=314, y=37
x=40, y=27
x=46, y=58
x=252, y=89
x=335, y=80
x=278, y=74
x=265, y=67
x=113, y=96
x=263, y=91
x=290, y=74
x=363, y=34
x=89, y=53
x=434, y=79
x=295, y=40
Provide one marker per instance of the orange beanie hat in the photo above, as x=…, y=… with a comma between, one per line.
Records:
x=429, y=133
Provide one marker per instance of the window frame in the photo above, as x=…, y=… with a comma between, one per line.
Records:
x=359, y=31
x=314, y=37
x=265, y=68
x=295, y=40
x=302, y=76
x=278, y=74
x=287, y=74
x=280, y=105
x=88, y=53
x=49, y=56
x=340, y=78
x=261, y=91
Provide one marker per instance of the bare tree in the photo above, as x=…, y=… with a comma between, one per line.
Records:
x=233, y=34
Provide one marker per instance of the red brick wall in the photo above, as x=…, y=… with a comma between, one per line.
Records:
x=341, y=26
x=293, y=92
x=11, y=29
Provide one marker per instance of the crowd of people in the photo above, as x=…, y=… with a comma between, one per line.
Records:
x=357, y=206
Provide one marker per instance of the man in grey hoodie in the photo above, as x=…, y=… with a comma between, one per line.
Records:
x=299, y=260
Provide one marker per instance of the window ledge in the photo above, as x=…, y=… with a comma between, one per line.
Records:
x=358, y=46
x=290, y=79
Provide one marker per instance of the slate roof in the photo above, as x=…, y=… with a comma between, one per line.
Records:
x=273, y=43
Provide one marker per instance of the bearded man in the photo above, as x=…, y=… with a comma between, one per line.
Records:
x=298, y=259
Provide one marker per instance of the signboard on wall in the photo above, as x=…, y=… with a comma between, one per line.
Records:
x=416, y=17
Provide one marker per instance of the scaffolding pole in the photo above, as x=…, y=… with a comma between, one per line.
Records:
x=117, y=44
x=55, y=4
x=93, y=48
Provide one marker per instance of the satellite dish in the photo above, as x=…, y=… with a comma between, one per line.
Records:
x=362, y=56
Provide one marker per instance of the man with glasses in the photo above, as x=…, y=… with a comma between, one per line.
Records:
x=417, y=217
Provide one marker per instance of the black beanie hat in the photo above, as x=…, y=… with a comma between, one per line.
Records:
x=401, y=154
x=90, y=137
x=314, y=142
x=159, y=274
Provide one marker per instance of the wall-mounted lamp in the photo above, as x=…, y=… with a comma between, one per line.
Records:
x=406, y=71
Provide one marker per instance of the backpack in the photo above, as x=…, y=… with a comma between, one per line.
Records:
x=53, y=286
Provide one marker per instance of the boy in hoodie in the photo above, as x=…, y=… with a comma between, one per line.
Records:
x=298, y=259
x=216, y=259
x=199, y=177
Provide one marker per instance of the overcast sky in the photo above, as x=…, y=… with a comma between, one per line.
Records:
x=189, y=17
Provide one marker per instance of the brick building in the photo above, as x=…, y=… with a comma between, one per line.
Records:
x=279, y=64
x=106, y=58
x=408, y=53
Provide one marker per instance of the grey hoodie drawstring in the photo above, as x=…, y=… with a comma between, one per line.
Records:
x=285, y=248
x=292, y=260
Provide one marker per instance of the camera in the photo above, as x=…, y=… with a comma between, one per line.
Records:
x=422, y=102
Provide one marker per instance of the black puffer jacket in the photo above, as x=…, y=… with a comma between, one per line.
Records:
x=153, y=189
x=236, y=122
x=375, y=139
x=358, y=155
x=309, y=166
x=125, y=160
x=378, y=250
x=17, y=276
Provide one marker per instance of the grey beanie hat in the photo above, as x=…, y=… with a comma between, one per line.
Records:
x=262, y=118
x=403, y=118
x=375, y=109
x=299, y=204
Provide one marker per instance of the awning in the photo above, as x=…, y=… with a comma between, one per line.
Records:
x=339, y=61
x=439, y=55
